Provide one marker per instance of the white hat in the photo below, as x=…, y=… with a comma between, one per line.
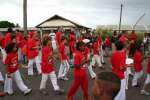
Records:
x=86, y=41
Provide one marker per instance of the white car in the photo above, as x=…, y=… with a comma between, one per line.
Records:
x=52, y=35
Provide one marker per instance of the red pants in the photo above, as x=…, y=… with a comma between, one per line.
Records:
x=80, y=80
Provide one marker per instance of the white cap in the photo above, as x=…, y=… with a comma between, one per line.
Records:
x=86, y=41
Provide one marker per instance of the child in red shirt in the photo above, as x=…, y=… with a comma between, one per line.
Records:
x=33, y=54
x=64, y=66
x=86, y=53
x=118, y=61
x=58, y=36
x=12, y=70
x=47, y=67
x=138, y=68
x=80, y=76
x=96, y=54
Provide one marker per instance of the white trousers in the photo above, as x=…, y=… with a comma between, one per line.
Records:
x=92, y=73
x=102, y=54
x=1, y=77
x=53, y=79
x=30, y=65
x=8, y=83
x=127, y=73
x=147, y=81
x=121, y=95
x=136, y=76
x=96, y=59
x=64, y=68
x=4, y=55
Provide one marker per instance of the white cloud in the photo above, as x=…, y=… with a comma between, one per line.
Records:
x=86, y=12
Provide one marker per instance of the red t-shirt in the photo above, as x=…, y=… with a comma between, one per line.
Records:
x=47, y=65
x=107, y=42
x=118, y=59
x=32, y=53
x=78, y=59
x=58, y=37
x=138, y=61
x=19, y=38
x=123, y=39
x=86, y=52
x=63, y=52
x=7, y=39
x=72, y=42
x=12, y=62
x=100, y=40
x=96, y=48
x=148, y=66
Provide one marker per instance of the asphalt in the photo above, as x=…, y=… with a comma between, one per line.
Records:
x=34, y=83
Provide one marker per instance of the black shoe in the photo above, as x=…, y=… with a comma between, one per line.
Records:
x=59, y=92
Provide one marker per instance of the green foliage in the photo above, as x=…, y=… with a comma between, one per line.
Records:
x=6, y=24
x=106, y=32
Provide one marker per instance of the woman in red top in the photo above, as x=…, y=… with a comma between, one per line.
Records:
x=12, y=71
x=72, y=41
x=80, y=75
x=138, y=68
x=47, y=67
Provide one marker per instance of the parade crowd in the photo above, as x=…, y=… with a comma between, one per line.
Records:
x=82, y=53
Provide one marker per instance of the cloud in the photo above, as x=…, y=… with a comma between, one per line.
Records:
x=86, y=12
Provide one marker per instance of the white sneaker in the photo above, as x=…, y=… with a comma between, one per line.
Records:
x=143, y=92
x=65, y=79
x=28, y=91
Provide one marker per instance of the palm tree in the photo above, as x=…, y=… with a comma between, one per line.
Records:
x=25, y=16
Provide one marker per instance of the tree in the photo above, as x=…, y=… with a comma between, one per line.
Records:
x=6, y=24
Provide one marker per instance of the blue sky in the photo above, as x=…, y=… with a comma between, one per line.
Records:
x=87, y=12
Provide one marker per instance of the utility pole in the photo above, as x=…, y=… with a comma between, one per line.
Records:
x=120, y=18
x=25, y=16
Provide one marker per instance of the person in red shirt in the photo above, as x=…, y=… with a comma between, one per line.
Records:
x=96, y=54
x=118, y=61
x=47, y=67
x=33, y=54
x=86, y=53
x=107, y=44
x=80, y=75
x=138, y=68
x=72, y=41
x=147, y=81
x=12, y=70
x=64, y=66
x=59, y=36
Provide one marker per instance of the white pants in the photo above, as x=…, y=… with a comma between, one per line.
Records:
x=30, y=65
x=92, y=73
x=147, y=81
x=96, y=59
x=136, y=76
x=4, y=55
x=64, y=68
x=53, y=79
x=102, y=55
x=8, y=83
x=1, y=77
x=127, y=73
x=121, y=95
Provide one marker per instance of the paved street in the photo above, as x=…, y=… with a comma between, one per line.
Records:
x=34, y=83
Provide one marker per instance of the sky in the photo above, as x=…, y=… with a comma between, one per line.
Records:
x=86, y=12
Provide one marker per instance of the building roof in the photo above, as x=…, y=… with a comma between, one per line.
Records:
x=56, y=21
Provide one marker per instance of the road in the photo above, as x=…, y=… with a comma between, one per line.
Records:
x=34, y=83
